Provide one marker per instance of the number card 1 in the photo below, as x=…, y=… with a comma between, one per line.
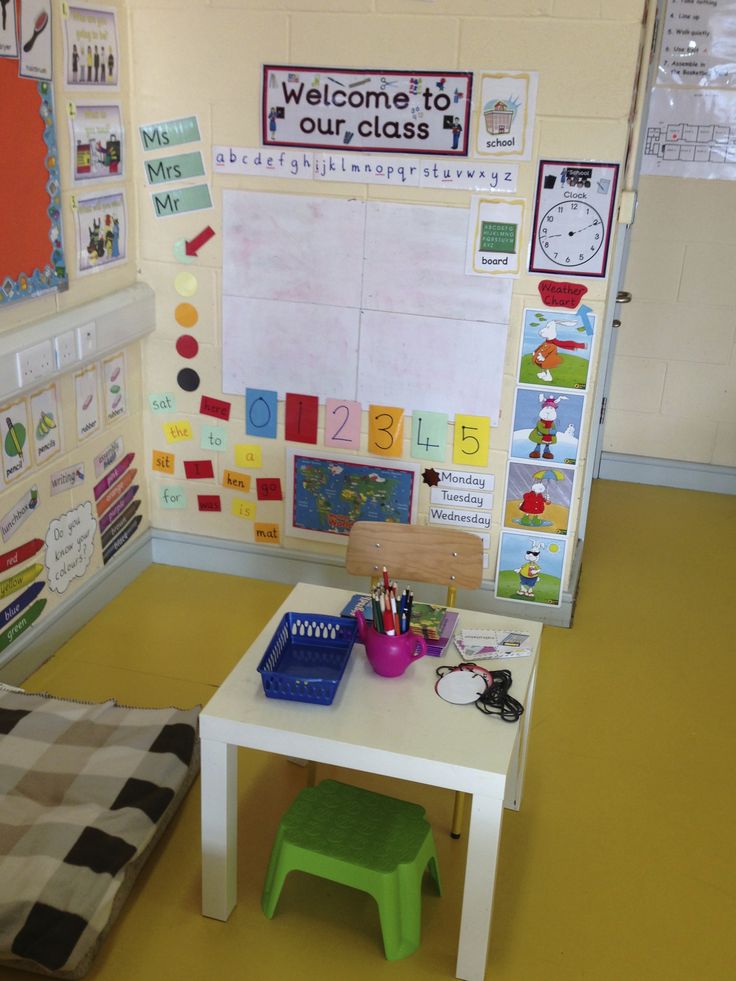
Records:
x=342, y=423
x=472, y=438
x=385, y=430
x=261, y=412
x=428, y=435
x=300, y=420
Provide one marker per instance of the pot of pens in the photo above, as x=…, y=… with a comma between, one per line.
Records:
x=390, y=644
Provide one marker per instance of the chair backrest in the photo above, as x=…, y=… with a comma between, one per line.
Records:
x=420, y=553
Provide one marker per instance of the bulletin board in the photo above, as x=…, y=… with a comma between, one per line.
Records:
x=31, y=250
x=359, y=300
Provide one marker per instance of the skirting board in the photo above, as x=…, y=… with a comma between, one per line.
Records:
x=236, y=559
x=288, y=566
x=667, y=473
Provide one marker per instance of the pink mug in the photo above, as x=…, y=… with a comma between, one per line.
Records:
x=389, y=656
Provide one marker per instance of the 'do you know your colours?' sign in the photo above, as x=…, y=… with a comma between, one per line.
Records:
x=367, y=109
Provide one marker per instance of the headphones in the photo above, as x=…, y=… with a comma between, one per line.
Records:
x=462, y=684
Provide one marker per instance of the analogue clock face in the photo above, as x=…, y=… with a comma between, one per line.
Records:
x=571, y=233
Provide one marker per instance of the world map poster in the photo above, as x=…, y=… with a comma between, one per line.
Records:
x=328, y=495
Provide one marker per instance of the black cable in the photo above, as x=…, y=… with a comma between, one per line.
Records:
x=496, y=700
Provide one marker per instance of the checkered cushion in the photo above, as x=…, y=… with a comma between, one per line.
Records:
x=85, y=790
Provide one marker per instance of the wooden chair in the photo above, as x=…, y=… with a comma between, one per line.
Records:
x=419, y=553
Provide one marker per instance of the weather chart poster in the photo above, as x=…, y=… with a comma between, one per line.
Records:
x=367, y=109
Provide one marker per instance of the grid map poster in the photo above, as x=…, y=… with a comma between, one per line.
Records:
x=328, y=494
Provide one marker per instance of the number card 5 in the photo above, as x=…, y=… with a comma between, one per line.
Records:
x=472, y=437
x=385, y=430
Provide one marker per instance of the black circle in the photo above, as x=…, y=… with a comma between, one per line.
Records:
x=188, y=379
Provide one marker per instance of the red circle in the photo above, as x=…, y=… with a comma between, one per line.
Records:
x=187, y=346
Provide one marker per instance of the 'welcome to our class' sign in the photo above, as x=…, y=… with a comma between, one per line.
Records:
x=367, y=109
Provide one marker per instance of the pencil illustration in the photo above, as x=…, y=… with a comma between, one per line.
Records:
x=15, y=438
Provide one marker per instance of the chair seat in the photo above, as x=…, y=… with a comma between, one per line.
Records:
x=369, y=841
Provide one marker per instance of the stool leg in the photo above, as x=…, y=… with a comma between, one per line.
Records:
x=399, y=909
x=279, y=867
x=458, y=814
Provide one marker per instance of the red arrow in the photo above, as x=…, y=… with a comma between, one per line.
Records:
x=193, y=247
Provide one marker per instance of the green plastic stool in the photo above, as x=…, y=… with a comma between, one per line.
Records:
x=369, y=841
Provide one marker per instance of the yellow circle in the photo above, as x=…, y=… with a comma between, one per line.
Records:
x=186, y=315
x=185, y=284
x=554, y=547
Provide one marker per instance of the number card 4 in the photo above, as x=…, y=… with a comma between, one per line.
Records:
x=428, y=435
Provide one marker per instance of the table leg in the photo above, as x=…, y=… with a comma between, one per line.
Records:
x=219, y=787
x=480, y=876
x=515, y=779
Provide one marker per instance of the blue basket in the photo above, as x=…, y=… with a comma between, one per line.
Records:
x=307, y=656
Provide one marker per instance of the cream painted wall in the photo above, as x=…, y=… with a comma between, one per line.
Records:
x=204, y=57
x=673, y=391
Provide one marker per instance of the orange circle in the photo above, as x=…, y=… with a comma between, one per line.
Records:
x=186, y=315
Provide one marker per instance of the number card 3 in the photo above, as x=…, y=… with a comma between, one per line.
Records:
x=385, y=430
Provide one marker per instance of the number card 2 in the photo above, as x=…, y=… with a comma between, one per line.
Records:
x=300, y=423
x=472, y=438
x=342, y=423
x=385, y=430
x=428, y=435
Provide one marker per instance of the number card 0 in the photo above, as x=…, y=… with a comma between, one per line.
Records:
x=261, y=412
x=472, y=438
x=385, y=430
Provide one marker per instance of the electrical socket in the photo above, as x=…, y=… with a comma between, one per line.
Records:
x=34, y=363
x=87, y=339
x=65, y=349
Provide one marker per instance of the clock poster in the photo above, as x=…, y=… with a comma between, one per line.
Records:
x=573, y=217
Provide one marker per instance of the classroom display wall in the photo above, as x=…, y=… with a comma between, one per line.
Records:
x=204, y=463
x=72, y=465
x=581, y=114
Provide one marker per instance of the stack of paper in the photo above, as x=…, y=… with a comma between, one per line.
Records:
x=479, y=645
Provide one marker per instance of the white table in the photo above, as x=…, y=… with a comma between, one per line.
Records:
x=393, y=726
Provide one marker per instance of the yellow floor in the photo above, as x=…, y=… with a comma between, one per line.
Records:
x=620, y=865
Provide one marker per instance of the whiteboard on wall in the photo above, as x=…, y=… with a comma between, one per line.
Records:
x=369, y=301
